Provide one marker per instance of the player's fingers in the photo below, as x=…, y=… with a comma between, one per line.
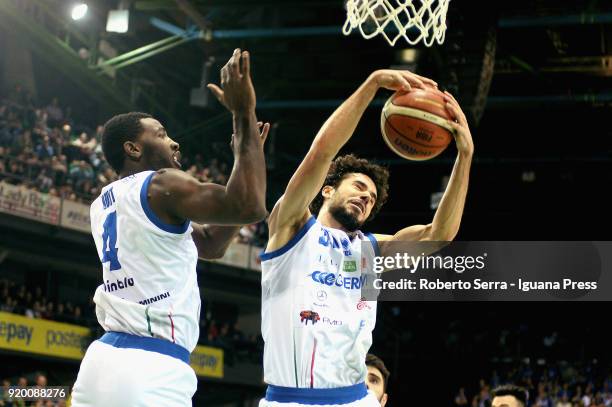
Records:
x=453, y=111
x=456, y=113
x=216, y=91
x=264, y=132
x=246, y=63
x=224, y=74
x=234, y=62
x=415, y=82
x=405, y=85
x=455, y=104
x=427, y=81
x=456, y=127
x=450, y=96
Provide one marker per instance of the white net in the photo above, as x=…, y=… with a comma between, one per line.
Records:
x=414, y=20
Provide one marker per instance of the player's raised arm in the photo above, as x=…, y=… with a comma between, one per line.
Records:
x=179, y=196
x=447, y=219
x=212, y=241
x=292, y=209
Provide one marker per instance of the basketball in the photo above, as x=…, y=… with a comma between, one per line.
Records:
x=414, y=124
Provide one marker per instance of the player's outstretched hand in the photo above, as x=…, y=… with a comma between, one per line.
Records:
x=264, y=129
x=400, y=80
x=463, y=136
x=236, y=92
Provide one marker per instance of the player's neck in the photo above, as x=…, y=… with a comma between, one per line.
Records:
x=131, y=168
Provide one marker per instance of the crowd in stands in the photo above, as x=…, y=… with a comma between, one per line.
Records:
x=39, y=381
x=549, y=385
x=35, y=304
x=19, y=299
x=43, y=149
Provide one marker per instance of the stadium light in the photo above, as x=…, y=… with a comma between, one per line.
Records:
x=79, y=11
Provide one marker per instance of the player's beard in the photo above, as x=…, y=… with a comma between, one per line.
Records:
x=155, y=159
x=348, y=219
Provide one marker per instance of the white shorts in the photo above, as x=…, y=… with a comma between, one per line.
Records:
x=124, y=375
x=353, y=396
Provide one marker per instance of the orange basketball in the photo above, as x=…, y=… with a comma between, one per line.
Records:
x=414, y=124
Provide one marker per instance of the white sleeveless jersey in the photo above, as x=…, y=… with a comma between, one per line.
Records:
x=316, y=327
x=150, y=285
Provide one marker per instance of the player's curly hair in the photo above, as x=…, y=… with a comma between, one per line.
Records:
x=348, y=164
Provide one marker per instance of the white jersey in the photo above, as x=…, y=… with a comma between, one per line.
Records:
x=150, y=285
x=316, y=327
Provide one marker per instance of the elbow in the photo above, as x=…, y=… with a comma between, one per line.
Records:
x=253, y=214
x=214, y=255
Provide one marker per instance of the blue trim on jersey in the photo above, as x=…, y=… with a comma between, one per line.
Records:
x=339, y=395
x=294, y=240
x=374, y=243
x=124, y=340
x=152, y=216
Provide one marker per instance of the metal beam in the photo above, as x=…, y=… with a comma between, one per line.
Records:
x=138, y=51
x=190, y=11
x=151, y=53
x=248, y=33
x=275, y=32
x=549, y=21
x=150, y=5
x=167, y=27
x=492, y=101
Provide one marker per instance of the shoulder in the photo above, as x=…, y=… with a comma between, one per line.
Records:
x=170, y=182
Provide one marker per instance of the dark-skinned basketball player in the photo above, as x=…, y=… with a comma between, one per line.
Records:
x=149, y=227
x=317, y=329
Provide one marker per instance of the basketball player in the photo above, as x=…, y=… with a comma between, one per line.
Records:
x=377, y=378
x=148, y=230
x=509, y=395
x=316, y=327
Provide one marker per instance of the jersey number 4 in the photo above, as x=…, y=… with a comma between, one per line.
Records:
x=109, y=239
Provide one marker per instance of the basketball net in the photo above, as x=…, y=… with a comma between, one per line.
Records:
x=414, y=20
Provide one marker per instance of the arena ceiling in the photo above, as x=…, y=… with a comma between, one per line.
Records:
x=534, y=76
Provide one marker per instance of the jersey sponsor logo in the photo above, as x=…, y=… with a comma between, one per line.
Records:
x=332, y=322
x=328, y=240
x=306, y=316
x=327, y=261
x=118, y=284
x=331, y=279
x=349, y=266
x=155, y=299
x=320, y=299
x=363, y=304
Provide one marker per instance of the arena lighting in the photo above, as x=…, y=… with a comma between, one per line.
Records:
x=78, y=11
x=118, y=21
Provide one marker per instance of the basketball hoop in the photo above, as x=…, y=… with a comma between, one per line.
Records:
x=414, y=20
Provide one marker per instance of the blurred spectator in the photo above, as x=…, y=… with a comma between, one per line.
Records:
x=55, y=113
x=460, y=398
x=44, y=149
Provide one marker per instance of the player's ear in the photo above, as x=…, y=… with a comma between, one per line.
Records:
x=383, y=400
x=132, y=150
x=327, y=191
